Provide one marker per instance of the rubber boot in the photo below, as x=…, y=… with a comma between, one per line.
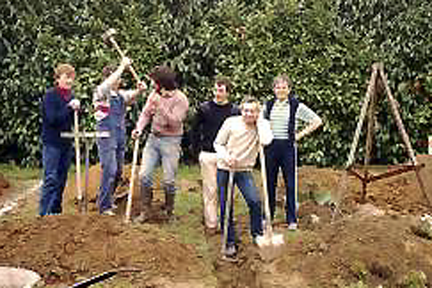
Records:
x=169, y=202
x=146, y=198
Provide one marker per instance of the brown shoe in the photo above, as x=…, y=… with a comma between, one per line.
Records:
x=211, y=231
x=143, y=217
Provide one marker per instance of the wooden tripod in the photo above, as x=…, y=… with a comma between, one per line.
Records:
x=368, y=108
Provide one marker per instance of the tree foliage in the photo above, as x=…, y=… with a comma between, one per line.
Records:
x=326, y=46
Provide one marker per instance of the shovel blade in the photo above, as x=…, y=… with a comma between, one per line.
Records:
x=270, y=240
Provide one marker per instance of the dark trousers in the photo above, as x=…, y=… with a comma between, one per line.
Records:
x=56, y=161
x=283, y=154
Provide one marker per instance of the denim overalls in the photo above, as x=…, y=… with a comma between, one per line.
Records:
x=111, y=151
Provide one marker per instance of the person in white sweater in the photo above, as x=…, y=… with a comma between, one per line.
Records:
x=237, y=145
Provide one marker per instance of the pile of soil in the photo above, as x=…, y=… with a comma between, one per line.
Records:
x=67, y=248
x=375, y=250
x=121, y=191
x=395, y=195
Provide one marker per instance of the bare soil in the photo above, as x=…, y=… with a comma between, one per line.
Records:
x=65, y=248
x=372, y=243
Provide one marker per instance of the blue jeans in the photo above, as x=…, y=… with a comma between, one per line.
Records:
x=245, y=183
x=56, y=161
x=281, y=153
x=111, y=156
x=165, y=149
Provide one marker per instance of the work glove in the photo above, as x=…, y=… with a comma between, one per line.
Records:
x=136, y=134
x=74, y=104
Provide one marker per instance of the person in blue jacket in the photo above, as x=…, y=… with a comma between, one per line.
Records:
x=57, y=116
x=284, y=113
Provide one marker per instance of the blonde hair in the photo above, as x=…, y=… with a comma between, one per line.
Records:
x=63, y=68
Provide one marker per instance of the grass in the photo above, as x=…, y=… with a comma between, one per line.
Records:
x=16, y=174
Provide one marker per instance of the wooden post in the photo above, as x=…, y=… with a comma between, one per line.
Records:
x=369, y=93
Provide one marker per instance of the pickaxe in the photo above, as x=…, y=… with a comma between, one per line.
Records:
x=108, y=38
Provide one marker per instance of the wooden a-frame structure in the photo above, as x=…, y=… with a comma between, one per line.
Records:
x=368, y=108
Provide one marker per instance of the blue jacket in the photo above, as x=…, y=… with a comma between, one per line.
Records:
x=57, y=117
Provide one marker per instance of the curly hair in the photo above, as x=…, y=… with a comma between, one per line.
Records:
x=164, y=77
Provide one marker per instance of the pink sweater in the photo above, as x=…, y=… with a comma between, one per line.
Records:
x=166, y=113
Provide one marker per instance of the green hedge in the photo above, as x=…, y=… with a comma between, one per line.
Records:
x=326, y=46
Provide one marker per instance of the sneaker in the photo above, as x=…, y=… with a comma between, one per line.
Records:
x=292, y=226
x=259, y=240
x=108, y=212
x=230, y=254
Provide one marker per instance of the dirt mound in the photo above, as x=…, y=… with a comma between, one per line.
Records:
x=65, y=248
x=375, y=250
x=399, y=194
x=122, y=190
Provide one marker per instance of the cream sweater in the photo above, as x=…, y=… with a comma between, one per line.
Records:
x=242, y=141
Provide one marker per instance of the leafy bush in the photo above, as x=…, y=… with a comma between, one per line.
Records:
x=326, y=46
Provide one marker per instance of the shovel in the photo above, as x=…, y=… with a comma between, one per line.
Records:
x=228, y=203
x=268, y=239
x=101, y=277
x=82, y=207
x=132, y=182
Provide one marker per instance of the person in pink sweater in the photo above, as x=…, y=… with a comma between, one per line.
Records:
x=166, y=108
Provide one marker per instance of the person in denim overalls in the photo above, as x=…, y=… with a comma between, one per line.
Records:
x=110, y=104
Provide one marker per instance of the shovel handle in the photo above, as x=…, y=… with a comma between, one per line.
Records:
x=77, y=161
x=132, y=182
x=266, y=200
x=228, y=203
x=131, y=69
